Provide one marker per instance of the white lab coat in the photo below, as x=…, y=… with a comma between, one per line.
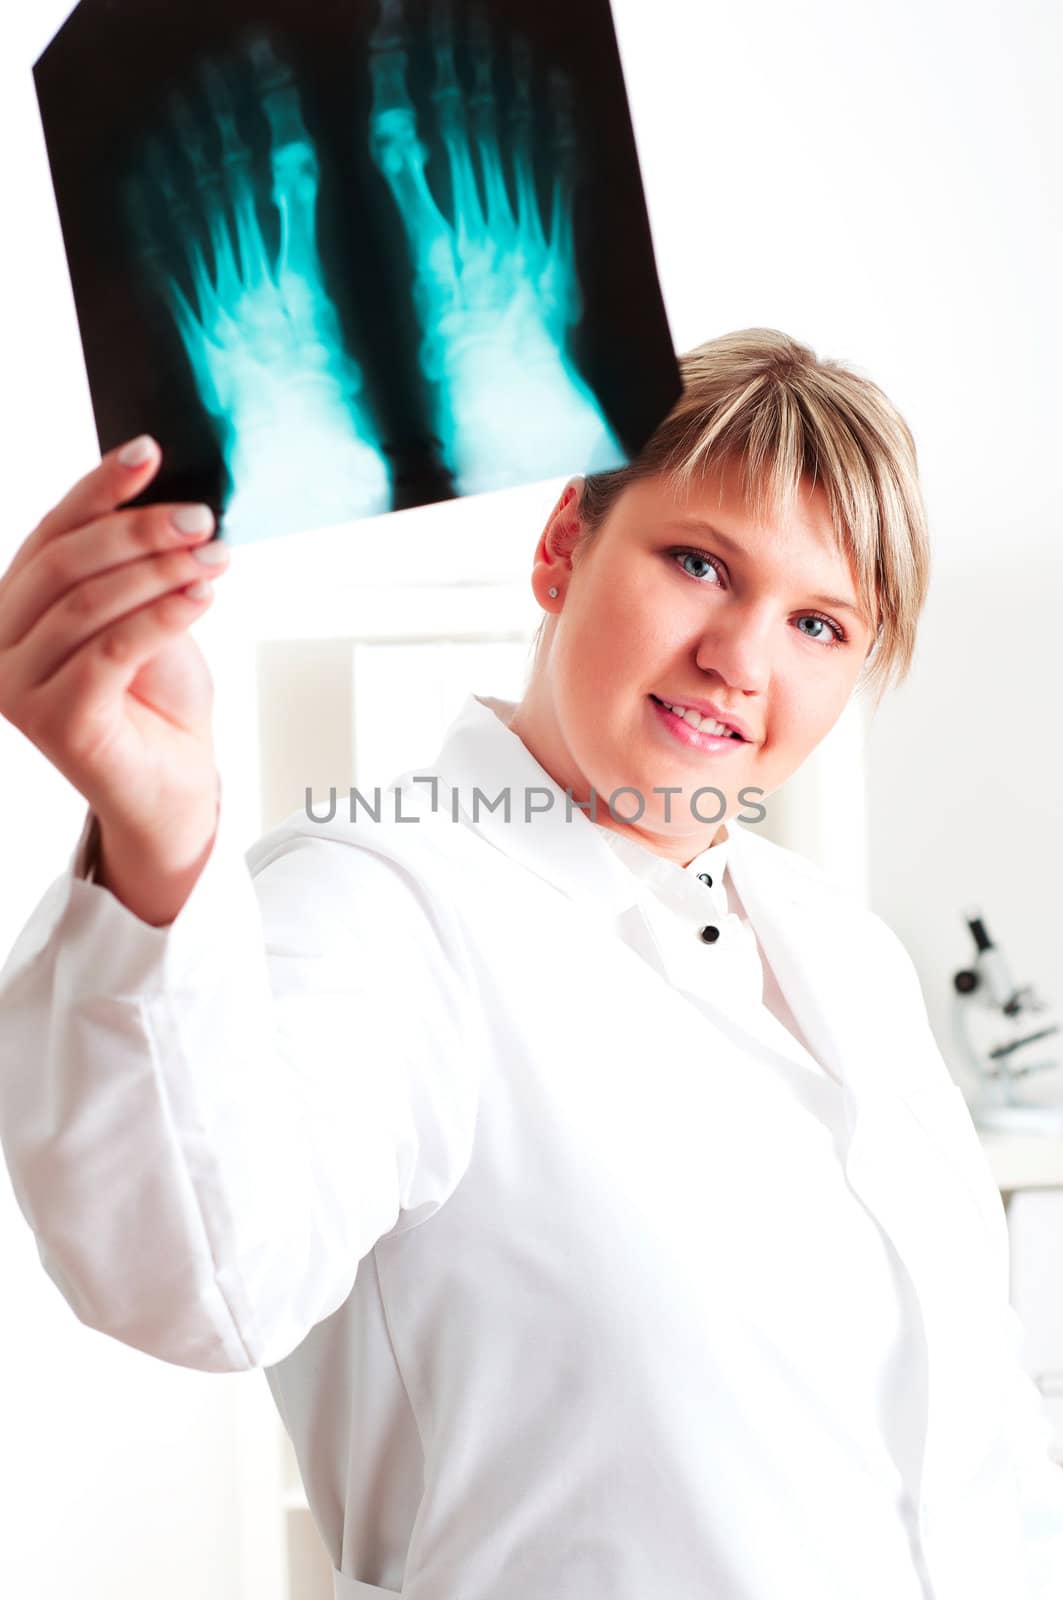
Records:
x=452, y=1152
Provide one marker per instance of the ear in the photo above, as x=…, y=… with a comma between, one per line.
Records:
x=559, y=538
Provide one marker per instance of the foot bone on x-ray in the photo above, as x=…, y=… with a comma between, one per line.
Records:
x=496, y=291
x=263, y=338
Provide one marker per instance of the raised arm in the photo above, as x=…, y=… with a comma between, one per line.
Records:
x=215, y=1092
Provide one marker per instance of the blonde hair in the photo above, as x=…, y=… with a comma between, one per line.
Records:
x=767, y=402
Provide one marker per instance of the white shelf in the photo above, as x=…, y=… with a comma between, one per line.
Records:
x=1024, y=1161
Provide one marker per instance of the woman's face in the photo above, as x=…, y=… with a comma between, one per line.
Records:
x=688, y=601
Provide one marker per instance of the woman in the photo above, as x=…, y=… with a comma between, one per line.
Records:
x=579, y=1164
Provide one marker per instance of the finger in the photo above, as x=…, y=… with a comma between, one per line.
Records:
x=86, y=552
x=102, y=669
x=92, y=609
x=121, y=474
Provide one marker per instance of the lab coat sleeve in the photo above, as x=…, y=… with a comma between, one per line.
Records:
x=208, y=1125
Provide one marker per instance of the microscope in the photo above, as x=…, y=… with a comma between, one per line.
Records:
x=997, y=1036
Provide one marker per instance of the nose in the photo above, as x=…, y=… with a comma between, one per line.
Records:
x=736, y=644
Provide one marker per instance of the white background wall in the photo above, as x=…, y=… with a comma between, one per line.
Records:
x=883, y=181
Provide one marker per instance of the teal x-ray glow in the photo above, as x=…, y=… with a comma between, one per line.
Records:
x=262, y=337
x=495, y=287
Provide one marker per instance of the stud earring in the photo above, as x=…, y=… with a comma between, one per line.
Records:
x=553, y=594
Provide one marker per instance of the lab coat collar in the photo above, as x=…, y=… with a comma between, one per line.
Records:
x=798, y=917
x=537, y=825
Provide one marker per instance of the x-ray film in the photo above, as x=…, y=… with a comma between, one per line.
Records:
x=342, y=257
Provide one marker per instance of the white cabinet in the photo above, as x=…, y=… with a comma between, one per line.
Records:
x=307, y=1570
x=1029, y=1172
x=1035, y=1225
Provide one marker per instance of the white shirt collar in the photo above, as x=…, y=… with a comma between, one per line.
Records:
x=658, y=871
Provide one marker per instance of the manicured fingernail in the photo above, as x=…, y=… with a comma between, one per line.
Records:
x=137, y=451
x=193, y=519
x=212, y=554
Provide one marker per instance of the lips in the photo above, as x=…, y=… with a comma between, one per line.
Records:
x=702, y=709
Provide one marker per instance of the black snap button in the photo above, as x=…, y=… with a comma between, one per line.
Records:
x=709, y=934
x=703, y=877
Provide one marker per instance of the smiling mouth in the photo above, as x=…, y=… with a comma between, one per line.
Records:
x=737, y=737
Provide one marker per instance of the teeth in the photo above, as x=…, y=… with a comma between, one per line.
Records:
x=702, y=724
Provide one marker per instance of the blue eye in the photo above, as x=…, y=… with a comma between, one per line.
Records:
x=698, y=556
x=838, y=633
